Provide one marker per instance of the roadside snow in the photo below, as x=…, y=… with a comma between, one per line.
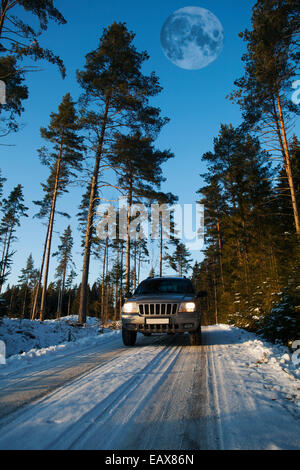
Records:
x=275, y=355
x=28, y=341
x=256, y=390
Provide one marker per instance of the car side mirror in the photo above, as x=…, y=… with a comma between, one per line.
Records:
x=128, y=295
x=201, y=294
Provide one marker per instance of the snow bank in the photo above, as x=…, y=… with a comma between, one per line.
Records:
x=28, y=340
x=275, y=355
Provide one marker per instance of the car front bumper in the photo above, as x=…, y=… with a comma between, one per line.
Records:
x=180, y=323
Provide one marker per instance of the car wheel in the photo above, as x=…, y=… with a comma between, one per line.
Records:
x=196, y=337
x=129, y=337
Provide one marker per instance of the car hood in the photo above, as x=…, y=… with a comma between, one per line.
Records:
x=167, y=298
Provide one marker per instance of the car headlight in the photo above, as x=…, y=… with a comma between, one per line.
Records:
x=130, y=307
x=187, y=307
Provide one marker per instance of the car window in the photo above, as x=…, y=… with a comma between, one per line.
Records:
x=165, y=286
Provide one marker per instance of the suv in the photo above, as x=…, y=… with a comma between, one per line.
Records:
x=162, y=305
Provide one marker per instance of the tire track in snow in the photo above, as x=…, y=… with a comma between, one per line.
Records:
x=35, y=425
x=251, y=414
x=35, y=381
x=125, y=400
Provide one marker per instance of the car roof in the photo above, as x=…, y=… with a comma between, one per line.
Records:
x=168, y=277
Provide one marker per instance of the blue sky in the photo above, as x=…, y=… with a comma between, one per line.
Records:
x=195, y=102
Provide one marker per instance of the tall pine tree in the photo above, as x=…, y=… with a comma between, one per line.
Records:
x=63, y=159
x=116, y=95
x=13, y=209
x=270, y=66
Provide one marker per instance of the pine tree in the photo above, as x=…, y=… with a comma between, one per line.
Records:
x=19, y=41
x=70, y=288
x=166, y=227
x=15, y=93
x=2, y=181
x=27, y=280
x=240, y=223
x=22, y=40
x=64, y=256
x=180, y=260
x=116, y=95
x=151, y=272
x=63, y=160
x=270, y=65
x=13, y=209
x=215, y=208
x=139, y=176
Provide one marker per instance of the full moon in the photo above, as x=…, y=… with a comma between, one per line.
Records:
x=192, y=38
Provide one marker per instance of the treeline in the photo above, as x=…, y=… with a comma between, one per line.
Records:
x=19, y=301
x=251, y=190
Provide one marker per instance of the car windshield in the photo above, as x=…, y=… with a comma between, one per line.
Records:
x=165, y=286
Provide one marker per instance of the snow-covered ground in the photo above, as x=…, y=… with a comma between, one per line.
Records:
x=27, y=341
x=234, y=392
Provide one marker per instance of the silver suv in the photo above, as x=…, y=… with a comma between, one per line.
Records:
x=162, y=305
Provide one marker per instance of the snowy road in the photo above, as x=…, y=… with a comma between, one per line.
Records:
x=230, y=393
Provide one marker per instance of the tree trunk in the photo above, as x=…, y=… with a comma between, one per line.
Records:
x=220, y=253
x=3, y=254
x=103, y=281
x=161, y=246
x=135, y=255
x=215, y=295
x=50, y=230
x=4, y=263
x=69, y=303
x=121, y=280
x=288, y=167
x=37, y=288
x=128, y=237
x=24, y=303
x=89, y=226
x=61, y=293
x=139, y=265
x=3, y=14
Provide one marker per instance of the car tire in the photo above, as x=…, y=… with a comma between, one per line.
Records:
x=196, y=337
x=129, y=337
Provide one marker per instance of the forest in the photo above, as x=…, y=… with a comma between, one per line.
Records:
x=251, y=191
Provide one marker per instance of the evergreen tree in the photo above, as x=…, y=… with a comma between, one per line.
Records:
x=19, y=41
x=27, y=281
x=240, y=225
x=2, y=181
x=15, y=93
x=116, y=95
x=70, y=288
x=22, y=40
x=270, y=65
x=13, y=209
x=139, y=175
x=180, y=260
x=64, y=256
x=63, y=160
x=151, y=272
x=166, y=227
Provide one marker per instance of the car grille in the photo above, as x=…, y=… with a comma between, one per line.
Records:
x=158, y=309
